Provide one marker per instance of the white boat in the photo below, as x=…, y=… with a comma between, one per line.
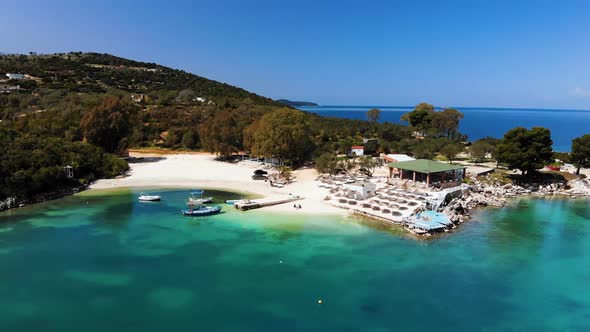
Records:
x=201, y=211
x=200, y=200
x=196, y=197
x=143, y=197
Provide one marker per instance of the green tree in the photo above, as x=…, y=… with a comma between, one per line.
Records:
x=446, y=123
x=371, y=146
x=344, y=145
x=33, y=165
x=108, y=123
x=580, y=156
x=326, y=163
x=450, y=151
x=373, y=115
x=345, y=165
x=188, y=139
x=286, y=173
x=171, y=138
x=420, y=118
x=221, y=134
x=479, y=150
x=368, y=164
x=424, y=150
x=526, y=150
x=186, y=95
x=283, y=134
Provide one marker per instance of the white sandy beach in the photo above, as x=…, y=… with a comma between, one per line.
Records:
x=202, y=171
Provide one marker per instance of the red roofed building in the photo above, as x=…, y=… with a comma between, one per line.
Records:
x=357, y=150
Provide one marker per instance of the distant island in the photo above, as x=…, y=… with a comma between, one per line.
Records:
x=296, y=103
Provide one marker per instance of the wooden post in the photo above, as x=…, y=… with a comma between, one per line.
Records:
x=464, y=173
x=414, y=177
x=401, y=174
x=428, y=179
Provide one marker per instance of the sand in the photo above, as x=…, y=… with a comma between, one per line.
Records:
x=203, y=171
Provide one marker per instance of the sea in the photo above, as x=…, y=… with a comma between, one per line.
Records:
x=102, y=261
x=480, y=122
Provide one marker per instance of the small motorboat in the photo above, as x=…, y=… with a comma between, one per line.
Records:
x=143, y=197
x=196, y=197
x=203, y=200
x=201, y=211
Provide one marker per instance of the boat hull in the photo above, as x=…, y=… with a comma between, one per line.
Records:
x=200, y=200
x=150, y=199
x=201, y=212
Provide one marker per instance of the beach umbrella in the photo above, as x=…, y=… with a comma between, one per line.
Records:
x=260, y=172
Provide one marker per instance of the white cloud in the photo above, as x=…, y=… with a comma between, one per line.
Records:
x=580, y=92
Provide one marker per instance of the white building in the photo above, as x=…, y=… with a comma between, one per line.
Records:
x=15, y=76
x=357, y=150
x=394, y=157
x=362, y=189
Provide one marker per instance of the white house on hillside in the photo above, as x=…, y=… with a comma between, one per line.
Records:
x=357, y=150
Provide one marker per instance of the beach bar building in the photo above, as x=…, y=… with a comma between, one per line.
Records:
x=431, y=172
x=357, y=150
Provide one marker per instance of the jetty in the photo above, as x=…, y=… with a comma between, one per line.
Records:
x=260, y=203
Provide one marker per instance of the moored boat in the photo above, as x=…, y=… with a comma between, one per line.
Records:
x=143, y=197
x=196, y=197
x=203, y=200
x=200, y=211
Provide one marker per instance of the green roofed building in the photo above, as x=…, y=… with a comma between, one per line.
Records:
x=432, y=172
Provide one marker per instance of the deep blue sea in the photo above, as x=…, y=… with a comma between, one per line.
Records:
x=565, y=125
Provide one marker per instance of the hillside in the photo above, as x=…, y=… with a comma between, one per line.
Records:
x=98, y=73
x=83, y=109
x=296, y=103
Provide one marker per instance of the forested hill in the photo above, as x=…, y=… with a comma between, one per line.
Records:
x=296, y=103
x=97, y=73
x=83, y=109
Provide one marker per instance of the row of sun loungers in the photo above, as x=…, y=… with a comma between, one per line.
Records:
x=376, y=208
x=391, y=203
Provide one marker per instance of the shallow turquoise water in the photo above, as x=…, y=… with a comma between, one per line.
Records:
x=118, y=265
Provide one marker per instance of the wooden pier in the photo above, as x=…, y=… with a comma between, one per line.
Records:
x=260, y=203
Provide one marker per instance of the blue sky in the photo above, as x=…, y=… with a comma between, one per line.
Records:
x=466, y=53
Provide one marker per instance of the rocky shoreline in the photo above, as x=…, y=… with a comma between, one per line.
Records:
x=485, y=192
x=14, y=202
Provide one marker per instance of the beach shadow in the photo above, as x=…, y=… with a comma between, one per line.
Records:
x=142, y=160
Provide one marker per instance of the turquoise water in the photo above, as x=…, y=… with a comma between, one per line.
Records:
x=114, y=264
x=480, y=122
